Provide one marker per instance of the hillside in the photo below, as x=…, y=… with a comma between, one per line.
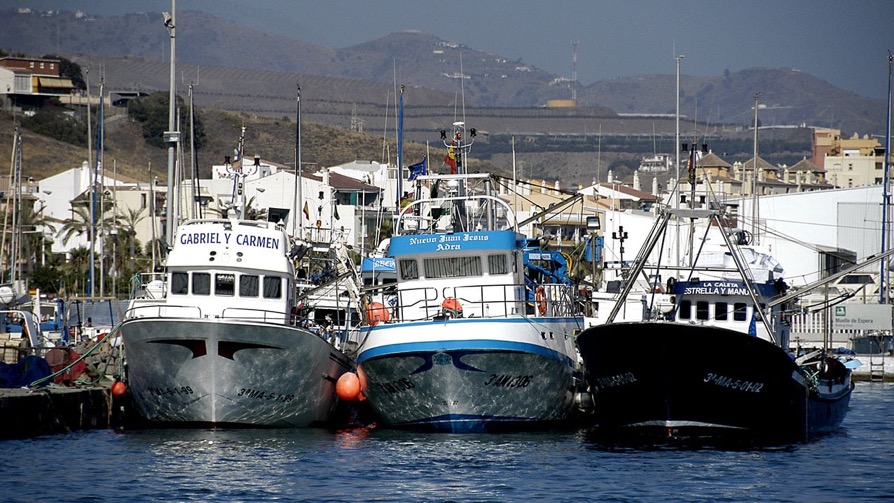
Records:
x=273, y=139
x=365, y=73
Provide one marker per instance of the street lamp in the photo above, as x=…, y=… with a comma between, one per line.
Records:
x=593, y=226
x=621, y=236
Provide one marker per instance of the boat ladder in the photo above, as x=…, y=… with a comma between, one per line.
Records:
x=876, y=368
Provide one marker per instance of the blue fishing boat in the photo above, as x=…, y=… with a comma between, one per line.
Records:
x=473, y=336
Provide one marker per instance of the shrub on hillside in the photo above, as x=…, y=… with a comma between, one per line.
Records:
x=57, y=122
x=152, y=114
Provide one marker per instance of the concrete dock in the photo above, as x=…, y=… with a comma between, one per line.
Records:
x=55, y=409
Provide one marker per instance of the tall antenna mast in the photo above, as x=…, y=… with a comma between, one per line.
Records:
x=574, y=45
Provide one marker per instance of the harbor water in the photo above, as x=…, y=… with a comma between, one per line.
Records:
x=853, y=464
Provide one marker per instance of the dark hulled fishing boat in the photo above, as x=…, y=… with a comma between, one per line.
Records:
x=710, y=359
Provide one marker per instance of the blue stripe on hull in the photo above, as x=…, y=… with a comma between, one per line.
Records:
x=453, y=345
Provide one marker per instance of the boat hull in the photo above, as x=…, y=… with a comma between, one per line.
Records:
x=676, y=380
x=462, y=376
x=230, y=373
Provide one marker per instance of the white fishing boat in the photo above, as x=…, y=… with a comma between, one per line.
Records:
x=472, y=338
x=217, y=338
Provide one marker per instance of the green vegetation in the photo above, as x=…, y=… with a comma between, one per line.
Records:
x=57, y=122
x=152, y=112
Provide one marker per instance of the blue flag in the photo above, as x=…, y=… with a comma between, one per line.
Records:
x=420, y=168
x=752, y=327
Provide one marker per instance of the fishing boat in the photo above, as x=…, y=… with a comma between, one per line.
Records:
x=710, y=358
x=473, y=337
x=217, y=337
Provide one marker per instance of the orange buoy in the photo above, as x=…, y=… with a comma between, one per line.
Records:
x=453, y=305
x=540, y=300
x=119, y=389
x=348, y=387
x=376, y=313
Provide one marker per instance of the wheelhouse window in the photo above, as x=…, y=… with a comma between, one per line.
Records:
x=179, y=283
x=497, y=264
x=409, y=269
x=225, y=285
x=272, y=287
x=701, y=310
x=452, y=267
x=721, y=310
x=201, y=283
x=249, y=285
x=740, y=311
x=685, y=309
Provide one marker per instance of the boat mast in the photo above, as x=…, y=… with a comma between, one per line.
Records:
x=675, y=194
x=196, y=201
x=886, y=204
x=297, y=207
x=91, y=279
x=171, y=136
x=755, y=212
x=16, y=186
x=400, y=142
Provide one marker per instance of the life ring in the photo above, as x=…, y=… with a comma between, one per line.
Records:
x=540, y=300
x=452, y=307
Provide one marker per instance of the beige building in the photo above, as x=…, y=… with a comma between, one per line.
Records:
x=848, y=162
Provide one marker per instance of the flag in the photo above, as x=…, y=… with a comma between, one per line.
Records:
x=752, y=327
x=335, y=212
x=306, y=210
x=237, y=161
x=450, y=158
x=420, y=168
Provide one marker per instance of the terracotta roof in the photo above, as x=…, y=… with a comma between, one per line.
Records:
x=647, y=196
x=712, y=160
x=805, y=165
x=762, y=164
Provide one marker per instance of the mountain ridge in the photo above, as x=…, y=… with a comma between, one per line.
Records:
x=420, y=60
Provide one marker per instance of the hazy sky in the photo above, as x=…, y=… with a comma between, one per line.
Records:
x=844, y=43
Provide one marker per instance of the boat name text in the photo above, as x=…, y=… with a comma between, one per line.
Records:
x=509, y=381
x=216, y=238
x=448, y=242
x=616, y=380
x=177, y=390
x=265, y=395
x=736, y=384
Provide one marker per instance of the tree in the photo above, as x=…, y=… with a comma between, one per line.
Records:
x=52, y=120
x=152, y=113
x=70, y=70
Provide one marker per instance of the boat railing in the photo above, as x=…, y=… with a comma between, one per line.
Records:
x=414, y=304
x=482, y=301
x=415, y=219
x=153, y=310
x=257, y=315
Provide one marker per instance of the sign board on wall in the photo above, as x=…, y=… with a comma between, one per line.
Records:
x=862, y=316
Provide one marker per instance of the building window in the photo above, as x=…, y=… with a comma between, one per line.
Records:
x=41, y=65
x=31, y=64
